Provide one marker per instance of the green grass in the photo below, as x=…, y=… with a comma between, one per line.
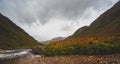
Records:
x=105, y=25
x=12, y=36
x=102, y=48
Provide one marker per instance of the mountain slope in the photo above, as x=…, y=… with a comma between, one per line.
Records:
x=12, y=36
x=106, y=25
x=100, y=38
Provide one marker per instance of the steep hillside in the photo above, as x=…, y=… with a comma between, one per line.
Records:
x=108, y=24
x=12, y=36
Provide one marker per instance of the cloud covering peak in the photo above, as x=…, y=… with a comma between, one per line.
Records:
x=46, y=19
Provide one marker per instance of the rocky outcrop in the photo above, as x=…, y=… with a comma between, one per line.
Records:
x=38, y=50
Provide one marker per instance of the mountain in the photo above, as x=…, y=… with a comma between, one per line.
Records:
x=58, y=38
x=100, y=38
x=105, y=28
x=108, y=24
x=54, y=40
x=12, y=36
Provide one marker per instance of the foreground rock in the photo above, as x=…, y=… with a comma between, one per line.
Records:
x=70, y=59
x=38, y=50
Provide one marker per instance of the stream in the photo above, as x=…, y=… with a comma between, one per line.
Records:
x=16, y=53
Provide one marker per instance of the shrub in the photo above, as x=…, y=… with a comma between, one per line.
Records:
x=101, y=48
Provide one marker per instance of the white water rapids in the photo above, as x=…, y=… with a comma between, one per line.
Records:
x=15, y=53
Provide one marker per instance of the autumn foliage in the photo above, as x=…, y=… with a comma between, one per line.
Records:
x=84, y=46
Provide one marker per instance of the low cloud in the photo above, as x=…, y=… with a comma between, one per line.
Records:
x=46, y=19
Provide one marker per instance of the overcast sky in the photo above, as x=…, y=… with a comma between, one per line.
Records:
x=47, y=19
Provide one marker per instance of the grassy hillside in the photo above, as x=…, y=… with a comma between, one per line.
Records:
x=101, y=37
x=106, y=25
x=12, y=36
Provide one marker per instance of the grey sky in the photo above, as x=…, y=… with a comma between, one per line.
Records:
x=46, y=19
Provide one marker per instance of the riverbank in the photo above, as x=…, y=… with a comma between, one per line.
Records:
x=70, y=59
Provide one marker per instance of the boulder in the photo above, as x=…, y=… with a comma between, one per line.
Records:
x=38, y=50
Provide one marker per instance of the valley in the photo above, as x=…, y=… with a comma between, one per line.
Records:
x=98, y=43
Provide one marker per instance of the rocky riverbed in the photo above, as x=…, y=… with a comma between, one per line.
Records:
x=69, y=59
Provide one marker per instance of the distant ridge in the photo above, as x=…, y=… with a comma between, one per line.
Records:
x=53, y=40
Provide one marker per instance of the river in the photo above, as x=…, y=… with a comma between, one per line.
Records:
x=17, y=53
